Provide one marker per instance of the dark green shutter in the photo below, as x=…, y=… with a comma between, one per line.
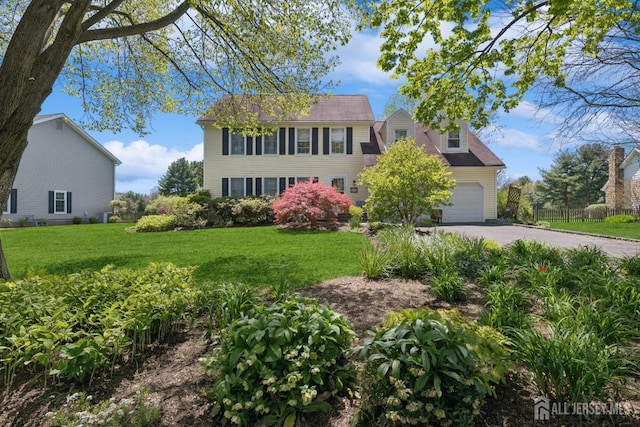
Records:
x=225, y=141
x=349, y=140
x=14, y=201
x=52, y=202
x=68, y=201
x=325, y=140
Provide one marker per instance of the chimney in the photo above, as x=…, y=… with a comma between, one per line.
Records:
x=614, y=193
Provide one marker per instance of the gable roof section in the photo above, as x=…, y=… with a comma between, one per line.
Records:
x=334, y=108
x=50, y=117
x=635, y=153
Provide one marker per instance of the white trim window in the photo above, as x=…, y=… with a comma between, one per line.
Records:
x=338, y=140
x=270, y=144
x=303, y=141
x=237, y=144
x=339, y=182
x=59, y=202
x=453, y=140
x=270, y=186
x=400, y=134
x=236, y=187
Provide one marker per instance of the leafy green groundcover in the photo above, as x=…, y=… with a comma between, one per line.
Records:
x=74, y=326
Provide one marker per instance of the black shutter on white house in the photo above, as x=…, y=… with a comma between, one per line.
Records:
x=258, y=145
x=52, y=202
x=13, y=208
x=292, y=182
x=292, y=140
x=68, y=201
x=282, y=185
x=325, y=140
x=283, y=143
x=248, y=187
x=225, y=187
x=258, y=186
x=314, y=141
x=349, y=140
x=225, y=141
x=249, y=143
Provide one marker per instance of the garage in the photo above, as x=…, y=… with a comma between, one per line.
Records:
x=468, y=204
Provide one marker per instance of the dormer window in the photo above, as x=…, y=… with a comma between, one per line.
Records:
x=453, y=140
x=400, y=134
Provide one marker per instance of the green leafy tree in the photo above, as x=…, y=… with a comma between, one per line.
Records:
x=576, y=178
x=127, y=59
x=488, y=54
x=180, y=179
x=406, y=183
x=398, y=101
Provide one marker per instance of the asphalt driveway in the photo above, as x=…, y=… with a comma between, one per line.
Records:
x=505, y=234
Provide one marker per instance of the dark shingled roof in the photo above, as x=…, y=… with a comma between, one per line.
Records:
x=335, y=108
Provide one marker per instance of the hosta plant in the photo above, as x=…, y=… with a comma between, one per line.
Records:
x=423, y=371
x=278, y=360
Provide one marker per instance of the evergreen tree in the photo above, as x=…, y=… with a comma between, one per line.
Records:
x=181, y=179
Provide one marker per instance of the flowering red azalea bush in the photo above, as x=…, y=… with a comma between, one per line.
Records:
x=311, y=206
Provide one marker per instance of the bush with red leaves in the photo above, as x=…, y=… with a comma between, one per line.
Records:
x=309, y=205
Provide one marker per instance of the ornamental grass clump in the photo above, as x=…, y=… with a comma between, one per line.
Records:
x=426, y=369
x=278, y=360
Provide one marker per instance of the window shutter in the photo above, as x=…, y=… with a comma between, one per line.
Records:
x=248, y=187
x=14, y=201
x=51, y=202
x=68, y=201
x=225, y=141
x=283, y=144
x=258, y=145
x=314, y=141
x=225, y=187
x=292, y=182
x=325, y=140
x=258, y=186
x=292, y=141
x=349, y=140
x=249, y=142
x=283, y=184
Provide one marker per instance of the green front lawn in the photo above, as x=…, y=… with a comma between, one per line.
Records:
x=258, y=256
x=630, y=231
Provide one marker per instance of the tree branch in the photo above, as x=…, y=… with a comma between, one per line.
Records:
x=100, y=14
x=136, y=29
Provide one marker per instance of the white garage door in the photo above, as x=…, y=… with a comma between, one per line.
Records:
x=468, y=204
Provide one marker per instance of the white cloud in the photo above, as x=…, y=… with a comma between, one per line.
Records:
x=359, y=61
x=514, y=138
x=142, y=161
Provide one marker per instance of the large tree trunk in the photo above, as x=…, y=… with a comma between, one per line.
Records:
x=29, y=69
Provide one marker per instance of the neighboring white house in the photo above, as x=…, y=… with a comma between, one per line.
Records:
x=64, y=173
x=333, y=144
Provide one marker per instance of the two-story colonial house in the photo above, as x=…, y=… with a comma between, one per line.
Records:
x=333, y=144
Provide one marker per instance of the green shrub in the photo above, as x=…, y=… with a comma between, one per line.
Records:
x=77, y=220
x=406, y=250
x=6, y=222
x=505, y=308
x=571, y=365
x=597, y=211
x=375, y=261
x=278, y=360
x=114, y=218
x=221, y=211
x=356, y=217
x=93, y=220
x=424, y=371
x=449, y=286
x=225, y=302
x=620, y=219
x=253, y=211
x=187, y=214
x=156, y=223
x=630, y=266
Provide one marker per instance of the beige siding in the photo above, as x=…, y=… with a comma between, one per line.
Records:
x=398, y=121
x=464, y=139
x=322, y=166
x=486, y=177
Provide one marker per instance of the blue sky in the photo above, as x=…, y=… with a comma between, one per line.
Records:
x=523, y=142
